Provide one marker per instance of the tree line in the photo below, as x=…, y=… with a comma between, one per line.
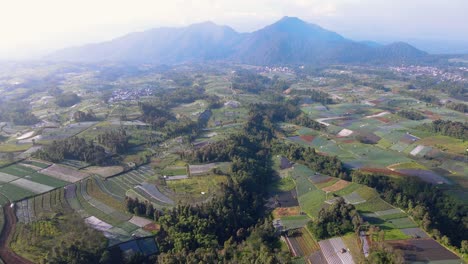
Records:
x=73, y=148
x=448, y=128
x=232, y=227
x=411, y=114
x=438, y=213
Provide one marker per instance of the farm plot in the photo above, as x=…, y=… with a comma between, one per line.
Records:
x=201, y=169
x=64, y=173
x=312, y=201
x=17, y=170
x=140, y=221
x=332, y=250
x=154, y=192
x=77, y=164
x=64, y=132
x=424, y=251
x=105, y=172
x=31, y=166
x=36, y=163
x=144, y=246
x=415, y=232
x=197, y=187
x=120, y=184
x=102, y=207
x=301, y=243
x=300, y=175
x=31, y=186
x=4, y=177
x=46, y=180
x=293, y=222
x=97, y=224
x=15, y=193
x=425, y=175
x=25, y=211
x=341, y=184
x=401, y=223
x=373, y=204
x=354, y=198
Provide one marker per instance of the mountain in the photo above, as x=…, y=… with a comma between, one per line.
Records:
x=288, y=41
x=197, y=42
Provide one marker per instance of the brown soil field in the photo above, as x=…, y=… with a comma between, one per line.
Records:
x=105, y=171
x=286, y=211
x=382, y=171
x=423, y=250
x=307, y=138
x=383, y=119
x=152, y=227
x=341, y=184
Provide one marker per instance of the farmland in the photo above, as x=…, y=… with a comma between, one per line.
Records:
x=186, y=137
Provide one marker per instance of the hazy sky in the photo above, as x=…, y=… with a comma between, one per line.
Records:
x=29, y=27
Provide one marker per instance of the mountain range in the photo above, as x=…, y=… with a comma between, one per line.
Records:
x=288, y=41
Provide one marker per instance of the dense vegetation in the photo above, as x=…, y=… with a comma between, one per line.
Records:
x=61, y=238
x=448, y=128
x=116, y=141
x=80, y=116
x=442, y=215
x=328, y=165
x=67, y=99
x=73, y=148
x=234, y=221
x=335, y=220
x=411, y=114
x=460, y=107
x=18, y=113
x=315, y=95
x=250, y=82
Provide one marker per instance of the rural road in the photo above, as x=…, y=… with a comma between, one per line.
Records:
x=6, y=254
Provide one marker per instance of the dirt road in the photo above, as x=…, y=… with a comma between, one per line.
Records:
x=7, y=255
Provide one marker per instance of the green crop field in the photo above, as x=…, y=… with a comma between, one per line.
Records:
x=195, y=185
x=296, y=221
x=312, y=202
x=373, y=204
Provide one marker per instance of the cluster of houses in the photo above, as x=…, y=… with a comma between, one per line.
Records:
x=415, y=70
x=129, y=94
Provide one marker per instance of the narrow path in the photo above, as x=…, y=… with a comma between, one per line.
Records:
x=7, y=255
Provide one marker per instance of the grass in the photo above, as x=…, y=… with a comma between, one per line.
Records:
x=404, y=222
x=445, y=143
x=283, y=184
x=296, y=221
x=37, y=163
x=14, y=147
x=373, y=204
x=326, y=183
x=44, y=179
x=14, y=193
x=18, y=170
x=197, y=184
x=353, y=243
x=91, y=210
x=395, y=234
x=348, y=189
x=408, y=165
x=312, y=201
x=95, y=192
x=366, y=192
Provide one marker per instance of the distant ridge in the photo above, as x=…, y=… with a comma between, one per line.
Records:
x=288, y=41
